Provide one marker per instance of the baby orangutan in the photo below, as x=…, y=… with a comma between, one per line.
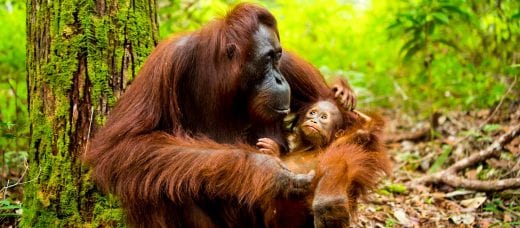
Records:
x=315, y=130
x=346, y=151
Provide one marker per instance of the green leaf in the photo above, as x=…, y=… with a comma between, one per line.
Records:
x=8, y=136
x=414, y=49
x=515, y=16
x=441, y=18
x=447, y=43
x=390, y=222
x=491, y=127
x=412, y=29
x=394, y=25
x=431, y=27
x=413, y=20
x=5, y=202
x=454, y=9
x=396, y=188
x=493, y=206
x=437, y=165
x=471, y=133
x=408, y=44
x=8, y=125
x=2, y=215
x=10, y=207
x=429, y=18
x=383, y=192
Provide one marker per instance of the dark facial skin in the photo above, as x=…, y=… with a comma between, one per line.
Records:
x=320, y=123
x=273, y=93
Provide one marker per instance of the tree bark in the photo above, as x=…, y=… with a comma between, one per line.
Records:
x=81, y=55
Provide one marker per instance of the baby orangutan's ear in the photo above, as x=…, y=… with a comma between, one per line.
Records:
x=339, y=133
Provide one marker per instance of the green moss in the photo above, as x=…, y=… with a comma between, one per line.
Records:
x=44, y=199
x=62, y=38
x=107, y=212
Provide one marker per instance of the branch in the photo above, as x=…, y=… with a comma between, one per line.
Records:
x=492, y=185
x=412, y=136
x=19, y=182
x=449, y=175
x=490, y=151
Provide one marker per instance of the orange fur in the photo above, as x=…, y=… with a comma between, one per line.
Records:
x=347, y=170
x=170, y=149
x=173, y=149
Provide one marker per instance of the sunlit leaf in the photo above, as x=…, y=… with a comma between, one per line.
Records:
x=441, y=18
x=430, y=27
x=515, y=16
x=394, y=25
x=408, y=44
x=491, y=127
x=437, y=165
x=414, y=49
x=454, y=9
x=8, y=136
x=396, y=188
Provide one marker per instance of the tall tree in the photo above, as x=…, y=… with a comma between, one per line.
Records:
x=80, y=56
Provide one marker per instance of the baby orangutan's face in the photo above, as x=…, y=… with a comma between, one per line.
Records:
x=320, y=123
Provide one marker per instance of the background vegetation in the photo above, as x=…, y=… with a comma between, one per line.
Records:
x=415, y=58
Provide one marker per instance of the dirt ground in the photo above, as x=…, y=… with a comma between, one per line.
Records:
x=456, y=135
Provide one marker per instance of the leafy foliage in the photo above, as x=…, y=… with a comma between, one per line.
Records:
x=447, y=47
x=13, y=103
x=421, y=23
x=13, y=92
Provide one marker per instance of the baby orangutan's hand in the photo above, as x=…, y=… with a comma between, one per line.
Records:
x=344, y=94
x=268, y=146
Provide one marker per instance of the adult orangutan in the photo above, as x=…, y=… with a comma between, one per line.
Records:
x=176, y=147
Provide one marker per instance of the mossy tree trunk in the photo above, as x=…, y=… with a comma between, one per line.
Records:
x=81, y=55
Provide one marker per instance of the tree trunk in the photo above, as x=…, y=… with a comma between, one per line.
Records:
x=81, y=55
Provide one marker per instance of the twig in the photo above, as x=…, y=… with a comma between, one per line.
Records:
x=449, y=175
x=19, y=182
x=506, y=165
x=411, y=136
x=455, y=121
x=489, y=151
x=89, y=129
x=400, y=90
x=513, y=169
x=498, y=105
x=509, y=210
x=492, y=185
x=13, y=89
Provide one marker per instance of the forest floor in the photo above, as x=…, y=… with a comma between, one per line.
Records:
x=416, y=150
x=455, y=136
